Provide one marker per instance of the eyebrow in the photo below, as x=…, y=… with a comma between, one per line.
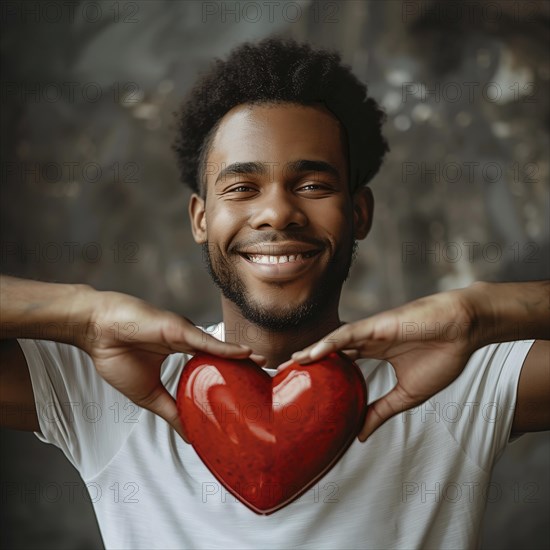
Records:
x=262, y=168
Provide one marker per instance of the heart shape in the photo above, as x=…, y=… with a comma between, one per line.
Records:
x=267, y=440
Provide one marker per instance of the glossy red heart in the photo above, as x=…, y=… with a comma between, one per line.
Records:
x=267, y=440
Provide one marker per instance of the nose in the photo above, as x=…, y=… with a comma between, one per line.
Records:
x=277, y=208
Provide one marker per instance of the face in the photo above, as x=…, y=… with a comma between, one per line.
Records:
x=278, y=224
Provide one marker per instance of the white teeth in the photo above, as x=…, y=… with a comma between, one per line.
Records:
x=261, y=259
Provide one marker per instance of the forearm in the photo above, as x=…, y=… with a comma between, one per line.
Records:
x=46, y=311
x=510, y=311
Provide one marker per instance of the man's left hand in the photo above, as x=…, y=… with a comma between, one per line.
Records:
x=428, y=342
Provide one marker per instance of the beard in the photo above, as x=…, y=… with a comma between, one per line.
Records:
x=289, y=316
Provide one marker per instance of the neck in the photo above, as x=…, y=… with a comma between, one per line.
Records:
x=276, y=346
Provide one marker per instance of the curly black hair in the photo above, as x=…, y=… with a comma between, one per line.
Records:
x=277, y=70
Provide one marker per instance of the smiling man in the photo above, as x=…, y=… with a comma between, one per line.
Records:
x=278, y=143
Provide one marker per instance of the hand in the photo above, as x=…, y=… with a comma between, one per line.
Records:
x=135, y=340
x=428, y=342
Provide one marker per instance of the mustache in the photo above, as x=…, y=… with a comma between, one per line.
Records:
x=275, y=238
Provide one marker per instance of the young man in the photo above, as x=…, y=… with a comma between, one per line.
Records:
x=278, y=144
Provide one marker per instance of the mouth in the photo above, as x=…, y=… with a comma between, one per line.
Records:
x=279, y=259
x=280, y=266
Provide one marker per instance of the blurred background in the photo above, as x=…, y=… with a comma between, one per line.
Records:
x=91, y=193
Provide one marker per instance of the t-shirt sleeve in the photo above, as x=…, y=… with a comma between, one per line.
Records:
x=478, y=408
x=77, y=410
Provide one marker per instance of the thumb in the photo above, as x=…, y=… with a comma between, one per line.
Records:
x=163, y=404
x=383, y=409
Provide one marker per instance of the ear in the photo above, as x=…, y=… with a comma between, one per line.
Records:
x=197, y=216
x=363, y=208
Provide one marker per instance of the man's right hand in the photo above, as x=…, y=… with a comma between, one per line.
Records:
x=128, y=340
x=135, y=340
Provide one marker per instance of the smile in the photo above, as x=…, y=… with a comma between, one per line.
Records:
x=281, y=266
x=279, y=259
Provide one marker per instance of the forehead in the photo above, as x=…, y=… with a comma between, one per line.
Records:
x=279, y=133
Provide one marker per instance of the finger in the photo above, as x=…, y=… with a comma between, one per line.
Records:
x=258, y=359
x=340, y=338
x=353, y=354
x=163, y=404
x=174, y=333
x=219, y=348
x=177, y=425
x=198, y=340
x=383, y=409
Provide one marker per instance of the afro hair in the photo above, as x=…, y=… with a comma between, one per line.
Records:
x=278, y=70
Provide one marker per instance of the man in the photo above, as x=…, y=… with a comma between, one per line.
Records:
x=278, y=143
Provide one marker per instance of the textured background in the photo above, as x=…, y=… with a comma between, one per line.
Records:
x=90, y=190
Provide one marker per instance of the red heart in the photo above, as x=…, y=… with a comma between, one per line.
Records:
x=267, y=440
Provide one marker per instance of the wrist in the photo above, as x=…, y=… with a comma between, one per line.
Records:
x=78, y=312
x=45, y=311
x=478, y=303
x=504, y=312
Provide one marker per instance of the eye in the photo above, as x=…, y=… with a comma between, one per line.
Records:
x=314, y=187
x=311, y=186
x=241, y=189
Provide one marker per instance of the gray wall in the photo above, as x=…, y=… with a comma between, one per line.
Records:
x=88, y=94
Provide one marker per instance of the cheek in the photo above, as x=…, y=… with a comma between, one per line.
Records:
x=335, y=221
x=222, y=223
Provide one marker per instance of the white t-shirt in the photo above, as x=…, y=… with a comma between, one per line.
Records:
x=420, y=481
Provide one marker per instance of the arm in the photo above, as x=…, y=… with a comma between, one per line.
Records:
x=429, y=341
x=127, y=339
x=33, y=309
x=519, y=311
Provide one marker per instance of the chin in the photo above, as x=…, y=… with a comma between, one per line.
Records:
x=269, y=315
